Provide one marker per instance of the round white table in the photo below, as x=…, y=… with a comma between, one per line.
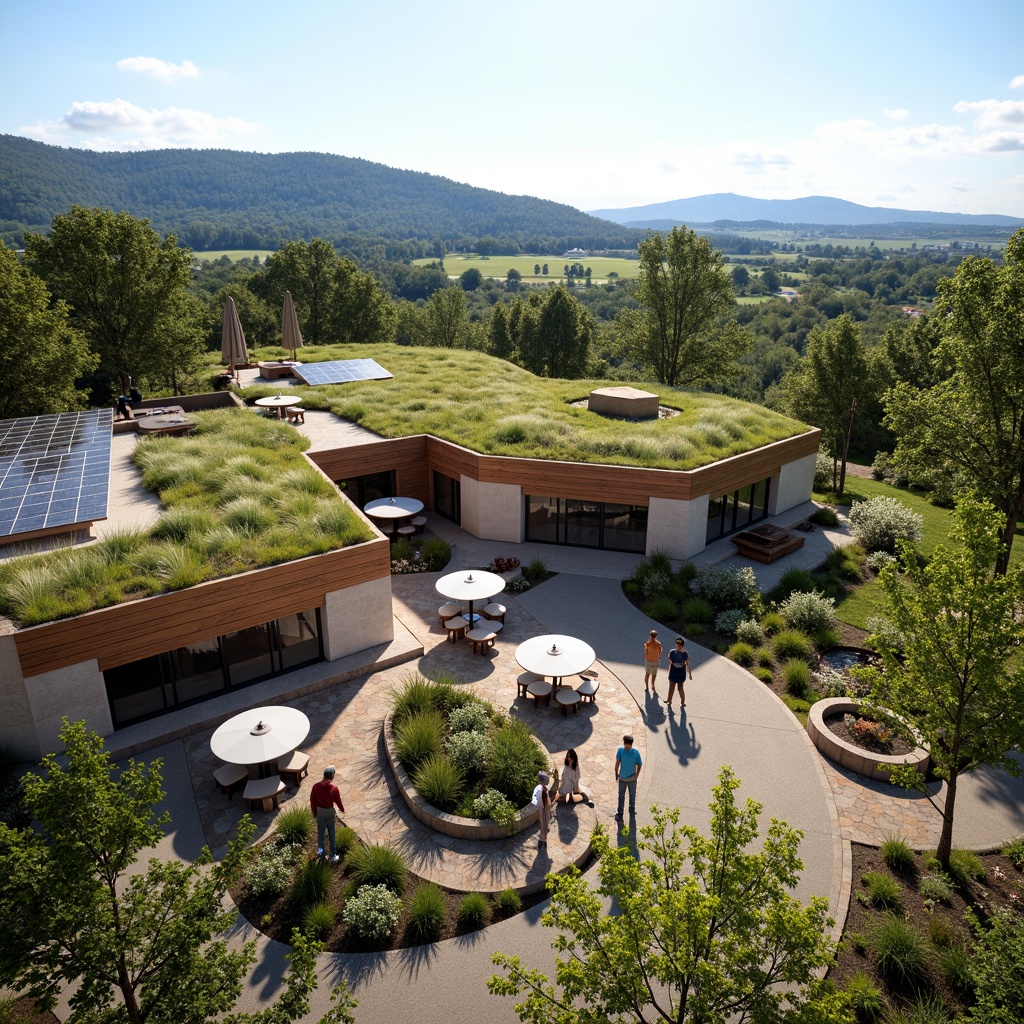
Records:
x=260, y=735
x=555, y=655
x=470, y=585
x=393, y=508
x=278, y=402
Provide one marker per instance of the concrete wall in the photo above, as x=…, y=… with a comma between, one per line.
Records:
x=356, y=618
x=77, y=691
x=17, y=729
x=492, y=511
x=678, y=527
x=792, y=485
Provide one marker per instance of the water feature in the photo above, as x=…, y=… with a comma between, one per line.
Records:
x=842, y=659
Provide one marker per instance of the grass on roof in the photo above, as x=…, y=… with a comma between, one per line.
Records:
x=497, y=408
x=237, y=495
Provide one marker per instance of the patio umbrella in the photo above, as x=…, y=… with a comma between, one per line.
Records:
x=232, y=341
x=290, y=325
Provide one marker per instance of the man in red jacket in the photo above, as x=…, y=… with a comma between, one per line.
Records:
x=323, y=798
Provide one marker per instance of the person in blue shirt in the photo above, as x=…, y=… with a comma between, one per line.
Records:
x=627, y=770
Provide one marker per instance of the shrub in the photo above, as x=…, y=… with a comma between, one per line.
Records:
x=496, y=806
x=661, y=609
x=764, y=674
x=1014, y=850
x=269, y=873
x=536, y=571
x=436, y=553
x=427, y=913
x=697, y=610
x=789, y=643
x=727, y=622
x=879, y=523
x=965, y=866
x=373, y=912
x=878, y=560
x=412, y=699
x=940, y=931
x=772, y=623
x=795, y=580
x=826, y=638
x=468, y=752
x=474, y=911
x=724, y=587
x=882, y=890
x=295, y=825
x=471, y=717
x=654, y=584
x=685, y=573
x=344, y=840
x=318, y=921
x=829, y=682
x=865, y=996
x=825, y=516
x=515, y=760
x=808, y=612
x=375, y=864
x=885, y=636
x=517, y=584
x=742, y=654
x=956, y=963
x=749, y=631
x=897, y=854
x=509, y=902
x=419, y=738
x=765, y=658
x=796, y=677
x=439, y=782
x=311, y=883
x=900, y=951
x=935, y=888
x=824, y=472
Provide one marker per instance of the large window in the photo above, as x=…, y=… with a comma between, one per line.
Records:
x=736, y=511
x=589, y=524
x=363, y=489
x=447, y=497
x=206, y=668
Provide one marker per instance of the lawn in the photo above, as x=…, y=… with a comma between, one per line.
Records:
x=497, y=408
x=233, y=254
x=499, y=266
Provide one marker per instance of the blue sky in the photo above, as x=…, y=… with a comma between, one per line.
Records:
x=909, y=104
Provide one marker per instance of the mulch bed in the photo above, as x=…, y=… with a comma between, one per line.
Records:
x=1002, y=887
x=276, y=917
x=896, y=744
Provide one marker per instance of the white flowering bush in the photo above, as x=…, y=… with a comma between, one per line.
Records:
x=884, y=636
x=403, y=566
x=823, y=472
x=654, y=584
x=270, y=873
x=471, y=717
x=879, y=523
x=809, y=612
x=517, y=584
x=830, y=682
x=750, y=631
x=725, y=587
x=728, y=622
x=373, y=912
x=469, y=752
x=495, y=805
x=878, y=560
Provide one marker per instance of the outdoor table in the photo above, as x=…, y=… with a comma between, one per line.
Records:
x=393, y=508
x=278, y=402
x=168, y=423
x=470, y=585
x=555, y=655
x=258, y=736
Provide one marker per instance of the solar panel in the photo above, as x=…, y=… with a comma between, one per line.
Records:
x=54, y=470
x=341, y=371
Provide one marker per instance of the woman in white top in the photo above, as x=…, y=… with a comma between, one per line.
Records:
x=569, y=786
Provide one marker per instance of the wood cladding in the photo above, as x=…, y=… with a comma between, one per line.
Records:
x=139, y=629
x=407, y=456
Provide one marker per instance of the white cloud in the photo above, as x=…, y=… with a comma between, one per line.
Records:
x=897, y=113
x=993, y=113
x=156, y=68
x=122, y=125
x=1017, y=83
x=759, y=163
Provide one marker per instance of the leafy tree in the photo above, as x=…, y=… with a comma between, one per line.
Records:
x=722, y=940
x=997, y=966
x=307, y=270
x=260, y=321
x=359, y=310
x=512, y=279
x=41, y=355
x=973, y=421
x=683, y=290
x=544, y=270
x=557, y=343
x=446, y=317
x=471, y=279
x=499, y=336
x=126, y=290
x=959, y=681
x=536, y=270
x=771, y=280
x=138, y=945
x=740, y=276
x=827, y=385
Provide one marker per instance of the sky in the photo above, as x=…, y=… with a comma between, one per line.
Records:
x=916, y=105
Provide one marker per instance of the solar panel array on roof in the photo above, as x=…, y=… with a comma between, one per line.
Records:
x=54, y=470
x=341, y=371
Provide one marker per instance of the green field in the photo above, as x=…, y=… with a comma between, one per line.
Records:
x=232, y=254
x=499, y=266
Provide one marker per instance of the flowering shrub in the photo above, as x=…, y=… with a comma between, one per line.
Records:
x=875, y=736
x=469, y=752
x=403, y=566
x=725, y=588
x=471, y=717
x=749, y=631
x=823, y=472
x=506, y=564
x=879, y=523
x=808, y=612
x=270, y=873
x=728, y=622
x=517, y=584
x=878, y=560
x=373, y=912
x=654, y=584
x=496, y=806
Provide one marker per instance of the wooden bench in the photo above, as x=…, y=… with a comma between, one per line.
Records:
x=296, y=764
x=230, y=776
x=494, y=611
x=456, y=628
x=295, y=414
x=588, y=688
x=524, y=681
x=448, y=611
x=568, y=698
x=766, y=543
x=482, y=639
x=264, y=792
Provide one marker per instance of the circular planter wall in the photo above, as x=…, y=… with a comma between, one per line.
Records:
x=857, y=759
x=450, y=824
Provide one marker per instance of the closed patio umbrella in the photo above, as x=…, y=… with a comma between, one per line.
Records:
x=232, y=341
x=290, y=326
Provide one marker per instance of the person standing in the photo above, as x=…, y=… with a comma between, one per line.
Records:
x=627, y=770
x=323, y=798
x=678, y=670
x=542, y=799
x=652, y=659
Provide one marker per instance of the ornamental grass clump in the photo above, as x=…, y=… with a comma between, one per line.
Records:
x=790, y=643
x=295, y=825
x=375, y=864
x=439, y=782
x=509, y=902
x=882, y=890
x=901, y=952
x=318, y=920
x=426, y=913
x=474, y=911
x=311, y=884
x=515, y=760
x=697, y=611
x=742, y=654
x=898, y=855
x=796, y=678
x=418, y=738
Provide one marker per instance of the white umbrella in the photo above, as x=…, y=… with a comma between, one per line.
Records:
x=260, y=735
x=232, y=340
x=470, y=585
x=290, y=332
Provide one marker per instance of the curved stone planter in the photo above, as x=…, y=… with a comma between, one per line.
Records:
x=450, y=824
x=857, y=759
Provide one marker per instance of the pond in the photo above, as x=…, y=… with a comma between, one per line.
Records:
x=842, y=659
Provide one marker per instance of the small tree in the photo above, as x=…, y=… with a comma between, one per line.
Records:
x=959, y=683
x=724, y=940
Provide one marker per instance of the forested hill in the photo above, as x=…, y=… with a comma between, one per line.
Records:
x=222, y=199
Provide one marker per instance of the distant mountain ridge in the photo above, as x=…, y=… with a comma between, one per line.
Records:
x=224, y=199
x=824, y=210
